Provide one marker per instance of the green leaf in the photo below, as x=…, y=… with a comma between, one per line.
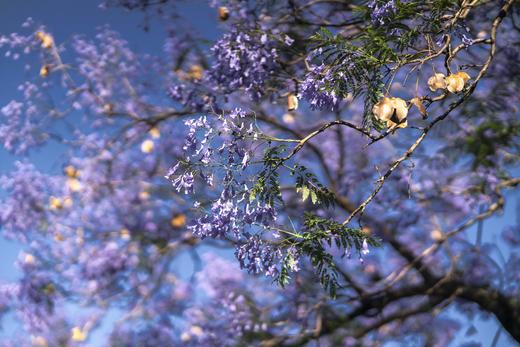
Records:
x=314, y=197
x=305, y=193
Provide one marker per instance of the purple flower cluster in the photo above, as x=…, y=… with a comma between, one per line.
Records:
x=192, y=97
x=230, y=314
x=317, y=89
x=381, y=11
x=244, y=60
x=24, y=208
x=101, y=266
x=258, y=256
x=22, y=123
x=224, y=156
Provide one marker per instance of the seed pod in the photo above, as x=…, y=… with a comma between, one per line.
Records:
x=178, y=221
x=147, y=146
x=44, y=71
x=55, y=203
x=45, y=39
x=392, y=111
x=419, y=104
x=39, y=341
x=155, y=133
x=74, y=185
x=223, y=13
x=454, y=83
x=71, y=171
x=292, y=102
x=383, y=109
x=108, y=108
x=399, y=116
x=195, y=72
x=437, y=81
x=464, y=76
x=78, y=335
x=436, y=235
x=288, y=118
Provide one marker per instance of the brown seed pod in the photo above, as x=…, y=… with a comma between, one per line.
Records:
x=223, y=13
x=292, y=102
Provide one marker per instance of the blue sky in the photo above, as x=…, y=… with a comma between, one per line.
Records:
x=65, y=18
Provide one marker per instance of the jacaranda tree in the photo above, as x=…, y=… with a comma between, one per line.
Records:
x=321, y=173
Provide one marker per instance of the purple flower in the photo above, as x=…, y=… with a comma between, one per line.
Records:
x=381, y=11
x=316, y=89
x=244, y=61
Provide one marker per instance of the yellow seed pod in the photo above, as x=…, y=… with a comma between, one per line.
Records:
x=45, y=39
x=436, y=235
x=144, y=195
x=125, y=234
x=67, y=202
x=420, y=106
x=463, y=75
x=147, y=146
x=454, y=83
x=223, y=13
x=195, y=72
x=29, y=259
x=78, y=335
x=288, y=118
x=383, y=109
x=71, y=171
x=392, y=111
x=108, y=108
x=155, y=133
x=437, y=81
x=74, y=185
x=196, y=330
x=39, y=341
x=185, y=337
x=178, y=221
x=40, y=35
x=58, y=237
x=55, y=203
x=401, y=112
x=44, y=71
x=292, y=102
